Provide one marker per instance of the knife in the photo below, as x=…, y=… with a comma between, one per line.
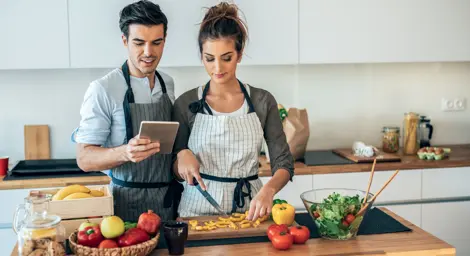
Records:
x=209, y=198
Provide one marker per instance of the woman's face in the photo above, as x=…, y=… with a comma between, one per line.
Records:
x=220, y=59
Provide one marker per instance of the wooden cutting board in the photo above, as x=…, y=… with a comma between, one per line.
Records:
x=225, y=232
x=36, y=142
x=381, y=156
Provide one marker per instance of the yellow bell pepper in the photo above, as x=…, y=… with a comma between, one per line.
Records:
x=283, y=214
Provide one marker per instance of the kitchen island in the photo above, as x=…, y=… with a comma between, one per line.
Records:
x=415, y=243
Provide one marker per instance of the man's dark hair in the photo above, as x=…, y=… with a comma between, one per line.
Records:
x=143, y=13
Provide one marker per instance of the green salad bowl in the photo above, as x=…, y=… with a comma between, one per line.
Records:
x=335, y=211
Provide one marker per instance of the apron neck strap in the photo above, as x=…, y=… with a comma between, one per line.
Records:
x=242, y=87
x=129, y=98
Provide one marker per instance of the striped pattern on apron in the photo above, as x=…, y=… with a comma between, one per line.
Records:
x=138, y=187
x=226, y=147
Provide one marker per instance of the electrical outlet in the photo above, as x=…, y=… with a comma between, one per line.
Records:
x=457, y=104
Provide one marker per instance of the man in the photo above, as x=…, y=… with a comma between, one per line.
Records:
x=113, y=109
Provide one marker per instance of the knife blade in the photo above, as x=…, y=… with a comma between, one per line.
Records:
x=210, y=199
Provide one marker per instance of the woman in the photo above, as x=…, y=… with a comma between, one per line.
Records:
x=222, y=125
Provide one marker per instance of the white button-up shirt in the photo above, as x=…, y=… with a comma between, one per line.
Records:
x=102, y=113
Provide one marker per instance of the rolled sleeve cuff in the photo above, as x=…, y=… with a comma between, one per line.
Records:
x=287, y=165
x=95, y=136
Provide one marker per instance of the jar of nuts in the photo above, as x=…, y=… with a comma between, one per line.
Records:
x=391, y=139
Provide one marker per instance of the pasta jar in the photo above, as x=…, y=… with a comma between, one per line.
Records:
x=391, y=139
x=410, y=133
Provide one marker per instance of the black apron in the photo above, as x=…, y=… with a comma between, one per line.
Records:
x=149, y=184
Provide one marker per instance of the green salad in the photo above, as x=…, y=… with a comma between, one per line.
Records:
x=335, y=216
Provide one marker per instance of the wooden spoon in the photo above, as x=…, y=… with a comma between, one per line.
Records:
x=364, y=207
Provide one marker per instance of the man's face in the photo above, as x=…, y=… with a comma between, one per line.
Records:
x=145, y=46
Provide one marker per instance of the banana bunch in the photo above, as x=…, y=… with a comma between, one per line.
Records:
x=76, y=192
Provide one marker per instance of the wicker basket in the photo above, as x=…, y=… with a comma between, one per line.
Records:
x=141, y=249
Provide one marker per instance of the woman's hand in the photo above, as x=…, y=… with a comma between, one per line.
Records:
x=262, y=203
x=188, y=168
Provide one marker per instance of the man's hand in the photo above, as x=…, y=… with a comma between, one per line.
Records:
x=139, y=149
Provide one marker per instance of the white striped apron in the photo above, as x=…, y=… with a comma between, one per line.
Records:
x=227, y=148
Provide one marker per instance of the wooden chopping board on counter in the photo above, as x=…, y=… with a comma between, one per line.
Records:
x=381, y=156
x=224, y=232
x=36, y=142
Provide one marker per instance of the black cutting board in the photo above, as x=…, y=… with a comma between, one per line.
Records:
x=47, y=168
x=324, y=157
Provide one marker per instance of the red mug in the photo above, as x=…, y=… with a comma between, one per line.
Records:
x=3, y=165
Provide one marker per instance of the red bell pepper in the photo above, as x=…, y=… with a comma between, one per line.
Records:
x=133, y=236
x=90, y=236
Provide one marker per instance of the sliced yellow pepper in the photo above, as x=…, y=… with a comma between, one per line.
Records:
x=244, y=222
x=283, y=214
x=220, y=225
x=236, y=219
x=245, y=225
x=210, y=223
x=193, y=223
x=224, y=219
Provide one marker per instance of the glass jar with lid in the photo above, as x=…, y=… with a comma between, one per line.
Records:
x=37, y=231
x=391, y=139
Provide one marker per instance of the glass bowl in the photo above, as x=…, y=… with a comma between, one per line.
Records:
x=334, y=211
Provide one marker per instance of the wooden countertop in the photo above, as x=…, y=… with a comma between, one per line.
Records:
x=417, y=242
x=56, y=182
x=459, y=157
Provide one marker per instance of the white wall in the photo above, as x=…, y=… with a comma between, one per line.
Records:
x=345, y=102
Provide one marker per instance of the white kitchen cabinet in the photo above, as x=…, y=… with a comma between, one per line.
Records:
x=34, y=34
x=273, y=31
x=95, y=37
x=291, y=192
x=365, y=31
x=448, y=221
x=411, y=180
x=411, y=213
x=7, y=240
x=449, y=182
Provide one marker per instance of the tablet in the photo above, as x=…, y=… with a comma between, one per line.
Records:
x=164, y=132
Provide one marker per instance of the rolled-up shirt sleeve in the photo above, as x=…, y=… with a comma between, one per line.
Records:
x=96, y=116
x=279, y=153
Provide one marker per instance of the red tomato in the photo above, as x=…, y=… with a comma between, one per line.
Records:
x=345, y=223
x=282, y=241
x=350, y=218
x=300, y=233
x=275, y=229
x=108, y=243
x=316, y=214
